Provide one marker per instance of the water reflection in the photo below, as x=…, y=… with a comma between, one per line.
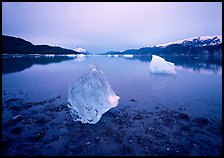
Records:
x=200, y=64
x=160, y=81
x=80, y=58
x=14, y=63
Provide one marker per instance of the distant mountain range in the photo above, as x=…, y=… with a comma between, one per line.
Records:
x=13, y=45
x=204, y=45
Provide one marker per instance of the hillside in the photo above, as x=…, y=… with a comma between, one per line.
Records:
x=205, y=45
x=13, y=45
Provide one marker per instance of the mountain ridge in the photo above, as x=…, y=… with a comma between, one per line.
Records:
x=200, y=39
x=202, y=45
x=12, y=45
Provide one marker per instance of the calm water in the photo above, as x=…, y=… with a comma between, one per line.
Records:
x=199, y=91
x=196, y=89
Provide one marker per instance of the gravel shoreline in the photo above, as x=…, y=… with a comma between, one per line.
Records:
x=45, y=128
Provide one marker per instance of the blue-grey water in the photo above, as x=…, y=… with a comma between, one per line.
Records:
x=42, y=82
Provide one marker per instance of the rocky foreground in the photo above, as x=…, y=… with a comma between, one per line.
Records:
x=46, y=128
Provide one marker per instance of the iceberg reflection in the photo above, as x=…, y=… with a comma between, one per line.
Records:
x=160, y=81
x=80, y=58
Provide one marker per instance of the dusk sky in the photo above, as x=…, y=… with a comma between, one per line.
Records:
x=99, y=27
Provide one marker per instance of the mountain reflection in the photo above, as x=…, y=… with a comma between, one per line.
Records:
x=12, y=64
x=17, y=63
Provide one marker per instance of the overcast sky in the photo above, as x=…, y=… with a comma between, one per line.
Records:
x=99, y=27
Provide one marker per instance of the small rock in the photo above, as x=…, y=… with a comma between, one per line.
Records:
x=130, y=141
x=195, y=145
x=156, y=107
x=183, y=116
x=133, y=100
x=41, y=120
x=167, y=149
x=88, y=143
x=97, y=138
x=16, y=130
x=17, y=117
x=201, y=122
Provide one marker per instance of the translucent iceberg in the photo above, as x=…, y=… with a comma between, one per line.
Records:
x=90, y=96
x=159, y=65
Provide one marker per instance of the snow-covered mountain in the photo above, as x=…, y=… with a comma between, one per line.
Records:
x=203, y=45
x=196, y=41
x=81, y=50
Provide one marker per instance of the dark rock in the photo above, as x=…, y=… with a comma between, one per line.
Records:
x=156, y=107
x=16, y=130
x=15, y=108
x=184, y=128
x=133, y=100
x=37, y=136
x=13, y=100
x=78, y=149
x=201, y=122
x=41, y=121
x=138, y=116
x=183, y=116
x=6, y=143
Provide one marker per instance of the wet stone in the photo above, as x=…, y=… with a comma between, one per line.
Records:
x=185, y=128
x=37, y=136
x=157, y=107
x=88, y=143
x=13, y=100
x=97, y=138
x=41, y=121
x=15, y=108
x=16, y=130
x=201, y=122
x=183, y=116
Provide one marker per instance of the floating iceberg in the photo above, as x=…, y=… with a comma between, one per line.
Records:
x=109, y=55
x=49, y=55
x=159, y=65
x=128, y=55
x=71, y=55
x=90, y=96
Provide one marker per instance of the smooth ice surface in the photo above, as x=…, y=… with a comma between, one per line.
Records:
x=90, y=96
x=159, y=65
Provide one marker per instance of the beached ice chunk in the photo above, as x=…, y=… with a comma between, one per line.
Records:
x=90, y=96
x=159, y=65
